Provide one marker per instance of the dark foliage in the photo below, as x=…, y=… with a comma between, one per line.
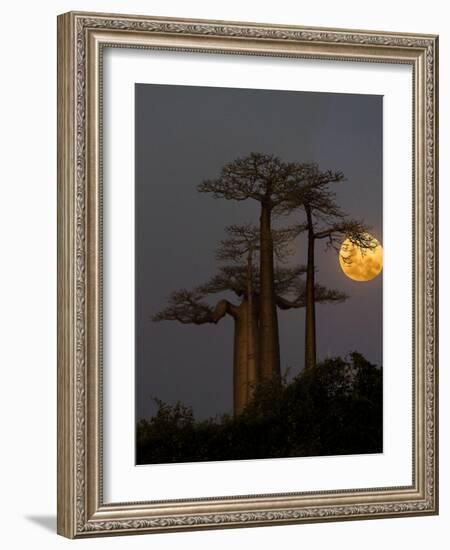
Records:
x=333, y=409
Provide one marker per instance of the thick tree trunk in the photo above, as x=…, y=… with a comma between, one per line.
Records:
x=244, y=360
x=252, y=330
x=269, y=349
x=240, y=349
x=310, y=321
x=240, y=363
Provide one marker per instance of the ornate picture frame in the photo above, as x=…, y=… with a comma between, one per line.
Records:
x=82, y=40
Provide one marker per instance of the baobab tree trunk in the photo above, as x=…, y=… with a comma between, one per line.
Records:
x=186, y=310
x=269, y=348
x=239, y=314
x=310, y=320
x=240, y=362
x=252, y=332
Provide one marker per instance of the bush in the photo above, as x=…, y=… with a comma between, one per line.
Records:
x=334, y=409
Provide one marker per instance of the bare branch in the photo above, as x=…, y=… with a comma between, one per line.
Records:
x=362, y=241
x=187, y=307
x=322, y=295
x=264, y=178
x=311, y=189
x=244, y=240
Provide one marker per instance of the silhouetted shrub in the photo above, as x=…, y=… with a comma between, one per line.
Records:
x=333, y=409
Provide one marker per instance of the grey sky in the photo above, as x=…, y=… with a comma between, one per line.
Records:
x=186, y=134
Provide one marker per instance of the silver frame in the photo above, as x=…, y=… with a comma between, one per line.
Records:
x=81, y=39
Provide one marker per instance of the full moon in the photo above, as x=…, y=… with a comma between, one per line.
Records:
x=361, y=264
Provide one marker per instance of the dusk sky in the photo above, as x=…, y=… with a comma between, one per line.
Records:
x=186, y=134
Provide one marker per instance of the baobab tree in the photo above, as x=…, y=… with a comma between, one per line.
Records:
x=242, y=247
x=324, y=220
x=242, y=279
x=265, y=179
x=242, y=244
x=189, y=306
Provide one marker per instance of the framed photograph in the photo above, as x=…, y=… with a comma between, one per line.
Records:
x=247, y=276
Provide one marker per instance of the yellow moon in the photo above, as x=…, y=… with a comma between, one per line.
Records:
x=361, y=264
